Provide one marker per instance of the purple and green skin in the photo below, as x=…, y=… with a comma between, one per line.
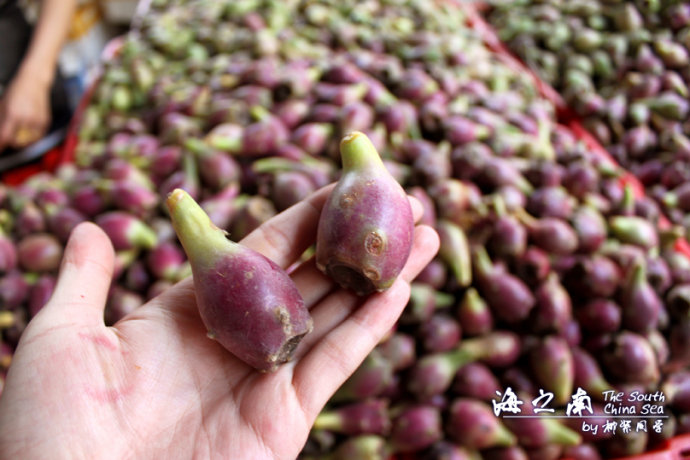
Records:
x=415, y=428
x=365, y=231
x=370, y=379
x=40, y=293
x=360, y=447
x=553, y=310
x=399, y=349
x=641, y=306
x=475, y=380
x=508, y=296
x=126, y=231
x=39, y=252
x=553, y=368
x=474, y=314
x=14, y=289
x=634, y=230
x=447, y=450
x=423, y=303
x=265, y=318
x=360, y=417
x=440, y=333
x=632, y=359
x=165, y=261
x=433, y=373
x=588, y=374
x=540, y=431
x=8, y=254
x=455, y=251
x=473, y=424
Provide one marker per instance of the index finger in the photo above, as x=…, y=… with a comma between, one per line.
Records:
x=285, y=237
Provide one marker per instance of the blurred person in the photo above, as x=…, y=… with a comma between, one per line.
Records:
x=32, y=96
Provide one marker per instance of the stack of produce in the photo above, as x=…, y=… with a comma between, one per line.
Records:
x=551, y=274
x=623, y=67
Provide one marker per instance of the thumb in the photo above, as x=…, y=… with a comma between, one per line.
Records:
x=85, y=276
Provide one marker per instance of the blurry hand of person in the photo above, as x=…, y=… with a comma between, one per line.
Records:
x=24, y=112
x=154, y=385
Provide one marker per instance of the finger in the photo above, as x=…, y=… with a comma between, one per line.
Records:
x=345, y=332
x=85, y=276
x=320, y=372
x=285, y=237
x=333, y=309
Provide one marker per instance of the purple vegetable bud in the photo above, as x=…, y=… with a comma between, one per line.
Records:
x=399, y=349
x=551, y=362
x=433, y=374
x=415, y=427
x=599, y=316
x=473, y=424
x=400, y=117
x=51, y=198
x=678, y=198
x=497, y=172
x=416, y=85
x=533, y=266
x=126, y=231
x=121, y=302
x=312, y=137
x=641, y=305
x=593, y=276
x=509, y=298
x=40, y=293
x=553, y=310
x=424, y=301
x=165, y=261
x=590, y=228
x=362, y=446
x=634, y=230
x=255, y=211
x=474, y=314
x=460, y=130
x=508, y=237
x=539, y=432
x=339, y=95
x=551, y=202
x=263, y=137
x=360, y=417
x=588, y=374
x=433, y=166
x=88, y=200
x=447, y=450
x=137, y=277
x=356, y=116
x=505, y=453
x=292, y=112
x=289, y=188
x=39, y=252
x=435, y=274
x=580, y=179
x=475, y=380
x=639, y=140
x=29, y=219
x=453, y=198
x=552, y=234
x=369, y=380
x=676, y=387
x=631, y=358
x=14, y=290
x=227, y=137
x=8, y=254
x=542, y=173
x=440, y=333
x=61, y=221
x=455, y=251
x=120, y=170
x=217, y=169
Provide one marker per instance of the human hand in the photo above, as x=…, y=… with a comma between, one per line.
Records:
x=24, y=112
x=154, y=386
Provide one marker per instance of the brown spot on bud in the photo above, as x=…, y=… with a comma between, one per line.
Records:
x=374, y=243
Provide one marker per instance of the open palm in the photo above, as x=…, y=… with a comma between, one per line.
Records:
x=154, y=386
